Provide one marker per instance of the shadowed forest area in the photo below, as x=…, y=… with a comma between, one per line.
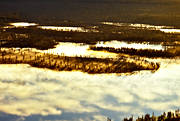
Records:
x=169, y=116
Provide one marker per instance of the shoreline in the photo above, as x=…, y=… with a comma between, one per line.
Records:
x=139, y=52
x=84, y=64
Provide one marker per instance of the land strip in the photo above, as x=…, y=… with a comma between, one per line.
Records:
x=65, y=63
x=139, y=52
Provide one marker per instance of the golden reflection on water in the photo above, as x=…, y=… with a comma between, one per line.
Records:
x=166, y=29
x=148, y=26
x=151, y=27
x=78, y=29
x=170, y=30
x=22, y=24
x=78, y=49
x=26, y=90
x=123, y=44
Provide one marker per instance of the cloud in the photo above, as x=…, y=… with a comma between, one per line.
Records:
x=27, y=91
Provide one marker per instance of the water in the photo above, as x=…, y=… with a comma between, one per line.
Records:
x=77, y=29
x=22, y=24
x=166, y=29
x=151, y=27
x=55, y=28
x=32, y=94
x=78, y=49
x=29, y=93
x=170, y=30
x=123, y=44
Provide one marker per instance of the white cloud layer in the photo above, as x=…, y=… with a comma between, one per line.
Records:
x=26, y=91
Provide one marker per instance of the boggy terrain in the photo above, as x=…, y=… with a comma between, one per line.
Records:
x=36, y=37
x=12, y=36
x=65, y=63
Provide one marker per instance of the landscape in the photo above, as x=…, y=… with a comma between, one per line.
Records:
x=89, y=60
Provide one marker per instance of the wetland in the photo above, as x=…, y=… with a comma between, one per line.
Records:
x=87, y=71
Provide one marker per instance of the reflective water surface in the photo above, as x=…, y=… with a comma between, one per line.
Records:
x=137, y=25
x=78, y=49
x=78, y=29
x=22, y=24
x=166, y=29
x=29, y=94
x=56, y=28
x=73, y=29
x=170, y=30
x=123, y=44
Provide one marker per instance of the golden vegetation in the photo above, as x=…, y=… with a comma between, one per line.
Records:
x=140, y=52
x=64, y=63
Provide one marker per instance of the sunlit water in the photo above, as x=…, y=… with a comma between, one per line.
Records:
x=78, y=49
x=73, y=29
x=78, y=29
x=170, y=30
x=123, y=44
x=32, y=94
x=22, y=24
x=19, y=25
x=166, y=29
x=55, y=28
x=83, y=50
x=136, y=25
